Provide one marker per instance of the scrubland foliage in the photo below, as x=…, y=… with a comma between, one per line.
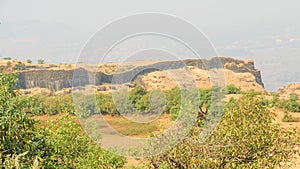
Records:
x=245, y=138
x=60, y=145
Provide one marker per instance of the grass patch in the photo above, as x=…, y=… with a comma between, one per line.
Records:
x=130, y=128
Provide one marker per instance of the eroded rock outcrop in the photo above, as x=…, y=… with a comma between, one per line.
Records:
x=151, y=75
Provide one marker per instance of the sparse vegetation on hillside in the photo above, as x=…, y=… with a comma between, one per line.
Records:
x=19, y=66
x=292, y=104
x=289, y=118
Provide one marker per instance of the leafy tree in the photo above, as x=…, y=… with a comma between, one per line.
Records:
x=246, y=137
x=136, y=94
x=143, y=104
x=173, y=98
x=18, y=133
x=60, y=145
x=105, y=104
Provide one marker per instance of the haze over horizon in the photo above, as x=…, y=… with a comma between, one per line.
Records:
x=56, y=31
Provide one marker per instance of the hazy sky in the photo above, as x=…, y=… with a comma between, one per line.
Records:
x=56, y=30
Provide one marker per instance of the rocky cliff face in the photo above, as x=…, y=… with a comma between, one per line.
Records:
x=59, y=79
x=51, y=79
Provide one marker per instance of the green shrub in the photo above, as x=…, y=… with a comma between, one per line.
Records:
x=7, y=58
x=251, y=93
x=173, y=98
x=232, y=89
x=57, y=104
x=293, y=97
x=289, y=118
x=105, y=104
x=275, y=98
x=136, y=94
x=143, y=104
x=33, y=105
x=41, y=61
x=29, y=61
x=290, y=105
x=51, y=105
x=205, y=96
x=8, y=63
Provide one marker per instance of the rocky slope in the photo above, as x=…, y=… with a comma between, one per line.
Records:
x=153, y=74
x=285, y=91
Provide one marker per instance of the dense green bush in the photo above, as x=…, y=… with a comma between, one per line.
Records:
x=293, y=104
x=143, y=104
x=85, y=105
x=54, y=104
x=245, y=138
x=136, y=94
x=33, y=105
x=232, y=89
x=105, y=104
